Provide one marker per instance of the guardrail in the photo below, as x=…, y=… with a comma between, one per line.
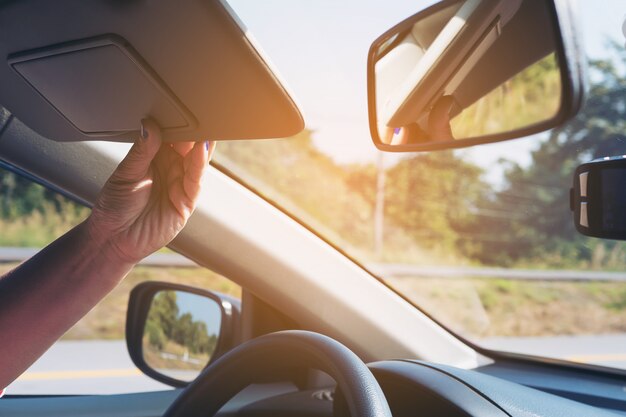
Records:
x=156, y=259
x=9, y=254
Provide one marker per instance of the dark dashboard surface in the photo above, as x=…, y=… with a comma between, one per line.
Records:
x=411, y=387
x=425, y=389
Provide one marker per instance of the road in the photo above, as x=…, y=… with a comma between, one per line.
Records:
x=103, y=367
x=84, y=367
x=606, y=350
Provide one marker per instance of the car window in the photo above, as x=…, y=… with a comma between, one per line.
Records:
x=91, y=358
x=482, y=239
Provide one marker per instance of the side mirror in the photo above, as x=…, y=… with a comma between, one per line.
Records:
x=467, y=72
x=598, y=198
x=174, y=331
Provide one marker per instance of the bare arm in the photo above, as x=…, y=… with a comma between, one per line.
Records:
x=141, y=208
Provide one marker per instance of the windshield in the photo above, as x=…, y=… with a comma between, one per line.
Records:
x=482, y=238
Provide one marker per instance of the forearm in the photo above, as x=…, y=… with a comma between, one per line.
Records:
x=46, y=295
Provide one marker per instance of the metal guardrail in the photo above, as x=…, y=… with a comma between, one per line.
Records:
x=408, y=270
x=9, y=254
x=156, y=259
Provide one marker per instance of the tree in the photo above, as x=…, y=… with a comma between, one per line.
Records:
x=20, y=197
x=162, y=319
x=540, y=225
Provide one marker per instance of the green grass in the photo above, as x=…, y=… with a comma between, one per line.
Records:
x=37, y=229
x=477, y=307
x=108, y=318
x=485, y=307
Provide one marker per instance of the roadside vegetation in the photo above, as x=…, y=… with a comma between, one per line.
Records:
x=530, y=97
x=476, y=308
x=174, y=339
x=438, y=209
x=486, y=307
x=107, y=319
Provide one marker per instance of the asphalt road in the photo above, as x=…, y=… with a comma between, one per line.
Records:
x=606, y=350
x=103, y=367
x=84, y=367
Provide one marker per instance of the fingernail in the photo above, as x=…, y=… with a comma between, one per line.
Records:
x=206, y=144
x=144, y=132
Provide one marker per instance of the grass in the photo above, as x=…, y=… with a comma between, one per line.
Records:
x=486, y=307
x=37, y=229
x=154, y=358
x=473, y=307
x=108, y=318
x=476, y=308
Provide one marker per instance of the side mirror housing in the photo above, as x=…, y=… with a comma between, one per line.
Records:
x=598, y=198
x=174, y=331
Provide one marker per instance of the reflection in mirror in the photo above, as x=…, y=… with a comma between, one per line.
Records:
x=181, y=333
x=466, y=69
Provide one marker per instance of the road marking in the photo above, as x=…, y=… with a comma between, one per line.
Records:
x=91, y=373
x=601, y=357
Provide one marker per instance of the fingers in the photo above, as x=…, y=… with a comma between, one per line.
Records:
x=195, y=162
x=184, y=182
x=210, y=145
x=179, y=199
x=135, y=165
x=182, y=148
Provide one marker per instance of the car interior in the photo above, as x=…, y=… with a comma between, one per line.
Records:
x=316, y=332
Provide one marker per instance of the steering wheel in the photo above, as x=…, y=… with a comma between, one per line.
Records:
x=257, y=358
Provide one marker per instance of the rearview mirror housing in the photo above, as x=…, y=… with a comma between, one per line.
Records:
x=468, y=72
x=598, y=200
x=174, y=331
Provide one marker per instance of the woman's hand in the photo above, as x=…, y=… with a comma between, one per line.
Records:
x=150, y=196
x=439, y=129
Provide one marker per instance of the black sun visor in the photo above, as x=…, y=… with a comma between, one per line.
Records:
x=91, y=70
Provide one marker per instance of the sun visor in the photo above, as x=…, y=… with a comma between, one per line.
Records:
x=91, y=70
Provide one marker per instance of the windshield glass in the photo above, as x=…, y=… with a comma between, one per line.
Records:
x=481, y=238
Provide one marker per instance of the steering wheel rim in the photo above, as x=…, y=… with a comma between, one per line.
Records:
x=252, y=360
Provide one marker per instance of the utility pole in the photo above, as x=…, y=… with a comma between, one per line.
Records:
x=379, y=208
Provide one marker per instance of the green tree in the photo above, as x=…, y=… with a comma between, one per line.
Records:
x=162, y=318
x=20, y=197
x=432, y=196
x=304, y=181
x=539, y=225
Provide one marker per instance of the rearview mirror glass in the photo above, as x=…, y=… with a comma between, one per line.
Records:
x=465, y=72
x=598, y=199
x=181, y=333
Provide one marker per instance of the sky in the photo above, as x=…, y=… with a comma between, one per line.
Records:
x=320, y=50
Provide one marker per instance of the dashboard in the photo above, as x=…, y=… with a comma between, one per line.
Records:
x=411, y=387
x=425, y=389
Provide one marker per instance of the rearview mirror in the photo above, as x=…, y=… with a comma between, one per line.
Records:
x=173, y=331
x=598, y=200
x=466, y=72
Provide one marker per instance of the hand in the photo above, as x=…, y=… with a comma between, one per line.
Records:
x=150, y=196
x=439, y=129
